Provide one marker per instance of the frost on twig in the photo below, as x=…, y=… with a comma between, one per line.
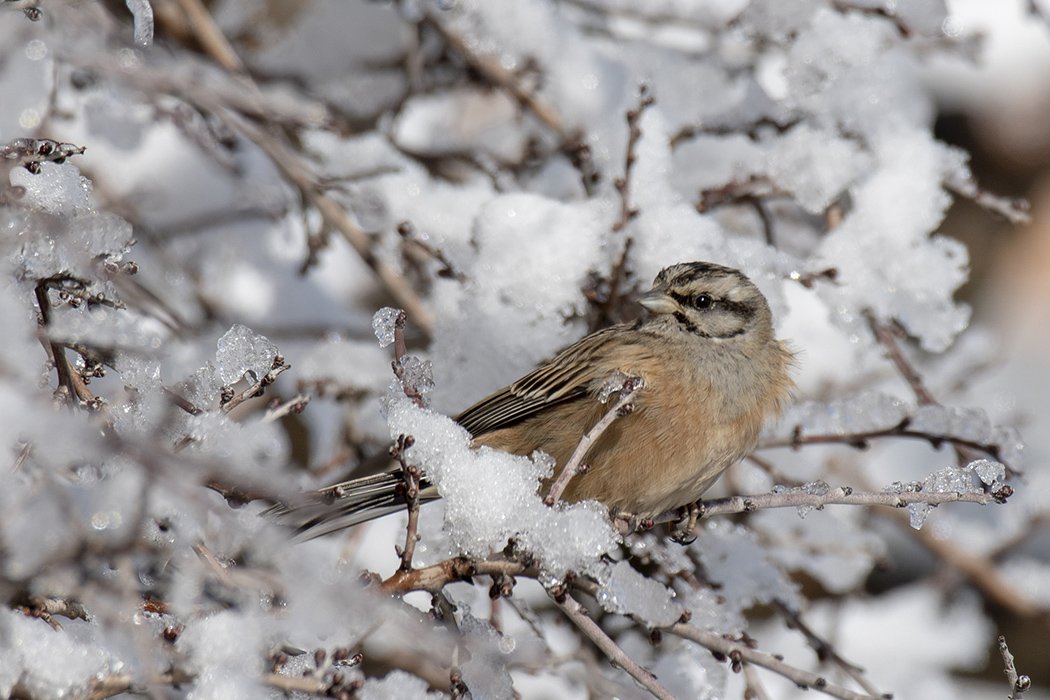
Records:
x=816, y=495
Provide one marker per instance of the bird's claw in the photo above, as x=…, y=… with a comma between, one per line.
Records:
x=684, y=531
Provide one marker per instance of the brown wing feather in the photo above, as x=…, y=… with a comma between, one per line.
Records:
x=566, y=377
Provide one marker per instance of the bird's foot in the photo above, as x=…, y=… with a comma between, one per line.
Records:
x=684, y=531
x=626, y=523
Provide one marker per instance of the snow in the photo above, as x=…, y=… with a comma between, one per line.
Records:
x=626, y=591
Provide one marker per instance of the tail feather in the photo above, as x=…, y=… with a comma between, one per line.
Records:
x=347, y=504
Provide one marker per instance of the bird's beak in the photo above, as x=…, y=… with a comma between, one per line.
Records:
x=658, y=302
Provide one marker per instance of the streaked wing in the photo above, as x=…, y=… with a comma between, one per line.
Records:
x=566, y=377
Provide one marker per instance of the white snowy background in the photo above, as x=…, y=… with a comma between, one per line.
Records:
x=259, y=178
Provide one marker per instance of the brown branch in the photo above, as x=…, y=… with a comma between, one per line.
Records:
x=823, y=648
x=400, y=352
x=754, y=189
x=412, y=475
x=493, y=71
x=964, y=450
x=296, y=171
x=181, y=402
x=434, y=578
x=258, y=387
x=860, y=440
x=628, y=389
x=576, y=612
x=979, y=569
x=294, y=405
x=210, y=36
x=739, y=653
x=886, y=337
x=754, y=690
x=885, y=12
x=634, y=134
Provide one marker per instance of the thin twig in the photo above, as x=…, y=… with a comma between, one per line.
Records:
x=400, y=352
x=1019, y=685
x=293, y=405
x=211, y=37
x=979, y=569
x=575, y=612
x=634, y=134
x=575, y=465
x=964, y=450
x=885, y=336
x=840, y=496
x=860, y=440
x=823, y=648
x=295, y=169
x=258, y=386
x=739, y=653
x=493, y=71
x=181, y=402
x=412, y=475
x=1013, y=210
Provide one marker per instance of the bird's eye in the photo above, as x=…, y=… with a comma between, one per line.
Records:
x=702, y=301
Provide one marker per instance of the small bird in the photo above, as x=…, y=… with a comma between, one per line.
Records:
x=712, y=372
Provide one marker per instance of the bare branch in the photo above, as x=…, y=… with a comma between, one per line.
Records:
x=1016, y=210
x=412, y=475
x=628, y=389
x=610, y=648
x=860, y=440
x=739, y=653
x=886, y=336
x=823, y=648
x=1019, y=685
x=434, y=578
x=299, y=174
x=292, y=406
x=400, y=352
